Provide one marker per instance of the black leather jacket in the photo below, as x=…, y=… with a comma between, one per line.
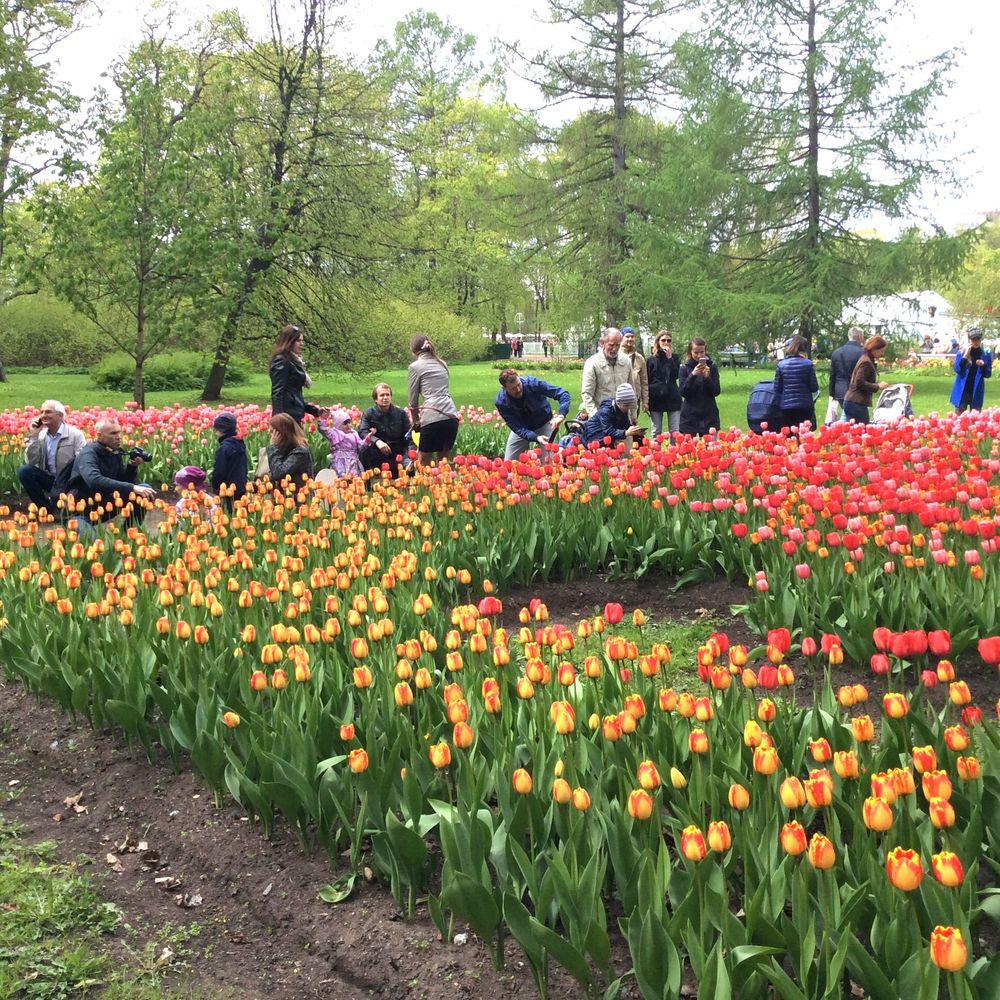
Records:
x=288, y=377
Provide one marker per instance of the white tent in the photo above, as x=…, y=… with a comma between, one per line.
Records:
x=907, y=316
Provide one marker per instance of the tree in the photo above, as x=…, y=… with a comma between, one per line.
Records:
x=132, y=237
x=34, y=107
x=797, y=133
x=975, y=292
x=619, y=68
x=304, y=237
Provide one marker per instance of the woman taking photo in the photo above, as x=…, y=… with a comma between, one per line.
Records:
x=663, y=369
x=864, y=381
x=288, y=454
x=795, y=385
x=391, y=425
x=289, y=377
x=437, y=417
x=699, y=385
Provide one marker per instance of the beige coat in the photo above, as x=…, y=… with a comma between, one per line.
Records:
x=70, y=444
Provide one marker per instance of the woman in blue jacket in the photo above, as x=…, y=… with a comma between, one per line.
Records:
x=795, y=385
x=972, y=367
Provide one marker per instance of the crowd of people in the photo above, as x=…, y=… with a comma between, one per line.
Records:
x=618, y=387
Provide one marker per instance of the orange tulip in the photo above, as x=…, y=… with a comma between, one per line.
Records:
x=648, y=776
x=819, y=789
x=719, y=837
x=862, y=729
x=347, y=731
x=820, y=750
x=640, y=804
x=462, y=735
x=845, y=763
x=877, y=814
x=362, y=677
x=357, y=760
x=521, y=781
x=936, y=784
x=279, y=680
x=895, y=705
x=581, y=799
x=698, y=741
x=956, y=738
x=904, y=868
x=821, y=852
x=403, y=694
x=942, y=813
x=693, y=845
x=739, y=797
x=969, y=768
x=947, y=868
x=752, y=733
x=561, y=791
x=948, y=949
x=959, y=693
x=792, y=794
x=685, y=705
x=765, y=760
x=766, y=710
x=793, y=838
x=440, y=754
x=231, y=719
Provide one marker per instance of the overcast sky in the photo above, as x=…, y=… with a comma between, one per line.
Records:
x=969, y=110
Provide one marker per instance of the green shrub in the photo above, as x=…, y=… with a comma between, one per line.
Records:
x=182, y=371
x=39, y=331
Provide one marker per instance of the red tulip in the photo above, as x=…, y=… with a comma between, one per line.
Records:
x=939, y=642
x=613, y=613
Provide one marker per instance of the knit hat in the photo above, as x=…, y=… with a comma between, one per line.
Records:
x=975, y=333
x=625, y=395
x=340, y=418
x=225, y=421
x=190, y=477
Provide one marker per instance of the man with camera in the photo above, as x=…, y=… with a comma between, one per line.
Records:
x=51, y=446
x=102, y=469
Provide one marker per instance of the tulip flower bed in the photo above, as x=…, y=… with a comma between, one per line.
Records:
x=335, y=659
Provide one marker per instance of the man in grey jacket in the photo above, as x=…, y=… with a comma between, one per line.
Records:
x=604, y=371
x=51, y=445
x=842, y=363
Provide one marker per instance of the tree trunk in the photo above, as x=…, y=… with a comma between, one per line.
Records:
x=3, y=372
x=618, y=241
x=807, y=319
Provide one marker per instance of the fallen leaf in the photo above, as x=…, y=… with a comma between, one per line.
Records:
x=267, y=889
x=72, y=800
x=127, y=845
x=702, y=612
x=167, y=882
x=338, y=891
x=114, y=864
x=57, y=818
x=188, y=901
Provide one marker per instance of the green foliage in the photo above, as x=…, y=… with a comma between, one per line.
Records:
x=395, y=322
x=181, y=371
x=40, y=331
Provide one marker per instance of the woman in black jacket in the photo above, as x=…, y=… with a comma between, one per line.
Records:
x=663, y=369
x=289, y=377
x=391, y=425
x=699, y=384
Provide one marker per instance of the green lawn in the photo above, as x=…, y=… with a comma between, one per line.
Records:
x=473, y=384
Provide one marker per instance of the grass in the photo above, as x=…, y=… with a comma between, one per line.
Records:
x=471, y=385
x=54, y=929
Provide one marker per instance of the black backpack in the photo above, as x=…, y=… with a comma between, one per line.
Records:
x=762, y=407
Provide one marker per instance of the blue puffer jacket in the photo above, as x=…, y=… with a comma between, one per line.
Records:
x=795, y=383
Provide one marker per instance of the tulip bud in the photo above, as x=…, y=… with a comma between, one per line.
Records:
x=648, y=776
x=793, y=838
x=521, y=781
x=948, y=949
x=231, y=719
x=693, y=845
x=947, y=868
x=845, y=763
x=719, y=837
x=640, y=804
x=677, y=779
x=561, y=791
x=739, y=797
x=936, y=784
x=820, y=750
x=969, y=768
x=347, y=731
x=357, y=760
x=924, y=759
x=765, y=760
x=821, y=852
x=904, y=868
x=942, y=813
x=877, y=814
x=792, y=794
x=581, y=799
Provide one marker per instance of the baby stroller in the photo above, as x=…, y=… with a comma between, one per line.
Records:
x=893, y=404
x=762, y=408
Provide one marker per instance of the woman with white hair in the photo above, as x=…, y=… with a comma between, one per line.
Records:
x=51, y=445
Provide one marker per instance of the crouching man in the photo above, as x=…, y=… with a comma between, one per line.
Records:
x=51, y=446
x=102, y=469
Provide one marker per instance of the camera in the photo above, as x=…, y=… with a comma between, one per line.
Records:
x=140, y=453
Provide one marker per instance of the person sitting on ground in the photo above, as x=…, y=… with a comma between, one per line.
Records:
x=611, y=419
x=391, y=424
x=346, y=444
x=230, y=470
x=288, y=455
x=523, y=404
x=51, y=445
x=102, y=469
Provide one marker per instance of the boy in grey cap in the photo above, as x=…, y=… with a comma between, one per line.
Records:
x=612, y=421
